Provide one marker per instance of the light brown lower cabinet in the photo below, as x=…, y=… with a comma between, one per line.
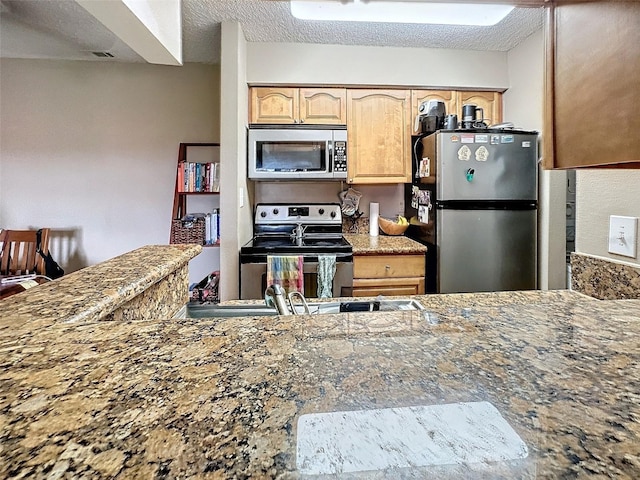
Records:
x=388, y=275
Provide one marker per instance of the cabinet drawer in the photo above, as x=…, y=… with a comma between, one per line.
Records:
x=388, y=266
x=371, y=287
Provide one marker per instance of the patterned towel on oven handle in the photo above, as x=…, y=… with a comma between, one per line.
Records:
x=286, y=271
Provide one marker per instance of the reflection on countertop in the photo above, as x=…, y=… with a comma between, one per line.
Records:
x=221, y=398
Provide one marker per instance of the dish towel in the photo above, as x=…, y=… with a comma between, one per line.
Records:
x=286, y=271
x=326, y=272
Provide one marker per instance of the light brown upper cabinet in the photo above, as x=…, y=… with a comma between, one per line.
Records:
x=592, y=85
x=284, y=105
x=379, y=135
x=490, y=102
x=418, y=96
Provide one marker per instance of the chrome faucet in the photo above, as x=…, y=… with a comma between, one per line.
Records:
x=303, y=301
x=298, y=232
x=274, y=296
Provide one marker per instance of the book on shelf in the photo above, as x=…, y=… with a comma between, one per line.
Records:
x=212, y=227
x=198, y=177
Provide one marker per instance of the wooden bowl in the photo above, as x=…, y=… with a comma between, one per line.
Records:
x=390, y=227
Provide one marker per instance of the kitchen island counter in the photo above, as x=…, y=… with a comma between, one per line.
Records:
x=221, y=398
x=364, y=244
x=157, y=273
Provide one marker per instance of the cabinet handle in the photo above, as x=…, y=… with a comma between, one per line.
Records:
x=387, y=267
x=302, y=120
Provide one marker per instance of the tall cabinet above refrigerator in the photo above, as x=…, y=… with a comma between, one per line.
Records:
x=474, y=202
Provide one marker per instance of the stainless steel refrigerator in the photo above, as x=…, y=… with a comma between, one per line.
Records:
x=474, y=203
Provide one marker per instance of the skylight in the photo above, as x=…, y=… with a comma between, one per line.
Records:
x=399, y=12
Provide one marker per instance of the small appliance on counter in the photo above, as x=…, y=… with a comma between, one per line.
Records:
x=470, y=117
x=431, y=115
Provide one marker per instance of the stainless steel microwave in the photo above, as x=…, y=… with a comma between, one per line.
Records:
x=297, y=152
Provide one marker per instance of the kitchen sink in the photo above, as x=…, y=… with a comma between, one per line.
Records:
x=315, y=308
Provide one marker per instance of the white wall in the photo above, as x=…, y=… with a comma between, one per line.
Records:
x=293, y=63
x=523, y=105
x=90, y=149
x=235, y=196
x=600, y=193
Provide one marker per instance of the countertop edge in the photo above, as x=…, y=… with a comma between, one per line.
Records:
x=114, y=281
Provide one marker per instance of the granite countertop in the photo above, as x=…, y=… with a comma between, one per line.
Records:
x=222, y=398
x=364, y=244
x=95, y=291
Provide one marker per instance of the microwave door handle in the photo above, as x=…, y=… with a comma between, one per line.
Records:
x=330, y=156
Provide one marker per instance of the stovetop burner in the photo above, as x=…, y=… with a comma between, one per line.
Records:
x=279, y=244
x=275, y=226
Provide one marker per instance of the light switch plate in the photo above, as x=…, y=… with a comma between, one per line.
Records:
x=623, y=233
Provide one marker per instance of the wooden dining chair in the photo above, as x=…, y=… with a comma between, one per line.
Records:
x=18, y=254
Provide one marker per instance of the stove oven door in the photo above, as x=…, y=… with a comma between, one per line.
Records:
x=253, y=280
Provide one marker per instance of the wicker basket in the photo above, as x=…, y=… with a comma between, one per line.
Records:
x=187, y=232
x=391, y=228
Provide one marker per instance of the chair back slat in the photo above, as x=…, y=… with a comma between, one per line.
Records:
x=18, y=255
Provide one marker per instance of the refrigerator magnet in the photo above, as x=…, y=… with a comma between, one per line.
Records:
x=482, y=138
x=468, y=138
x=464, y=153
x=495, y=139
x=423, y=214
x=454, y=138
x=526, y=144
x=482, y=154
x=506, y=139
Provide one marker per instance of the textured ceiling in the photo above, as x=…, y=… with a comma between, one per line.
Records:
x=62, y=29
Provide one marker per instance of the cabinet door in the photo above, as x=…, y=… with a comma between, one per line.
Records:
x=388, y=275
x=490, y=102
x=418, y=96
x=327, y=106
x=379, y=134
x=274, y=105
x=592, y=93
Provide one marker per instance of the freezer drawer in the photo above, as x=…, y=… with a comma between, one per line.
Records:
x=486, y=250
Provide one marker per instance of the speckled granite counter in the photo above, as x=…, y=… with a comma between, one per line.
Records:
x=221, y=398
x=604, y=279
x=125, y=287
x=383, y=245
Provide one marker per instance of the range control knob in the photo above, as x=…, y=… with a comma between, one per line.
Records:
x=275, y=211
x=333, y=214
x=263, y=214
x=321, y=211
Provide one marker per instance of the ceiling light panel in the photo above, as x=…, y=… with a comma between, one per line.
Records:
x=399, y=12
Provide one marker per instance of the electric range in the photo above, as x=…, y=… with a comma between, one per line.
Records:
x=309, y=230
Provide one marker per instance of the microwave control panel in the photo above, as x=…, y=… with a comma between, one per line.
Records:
x=340, y=156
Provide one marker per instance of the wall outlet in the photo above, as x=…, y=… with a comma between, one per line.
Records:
x=623, y=233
